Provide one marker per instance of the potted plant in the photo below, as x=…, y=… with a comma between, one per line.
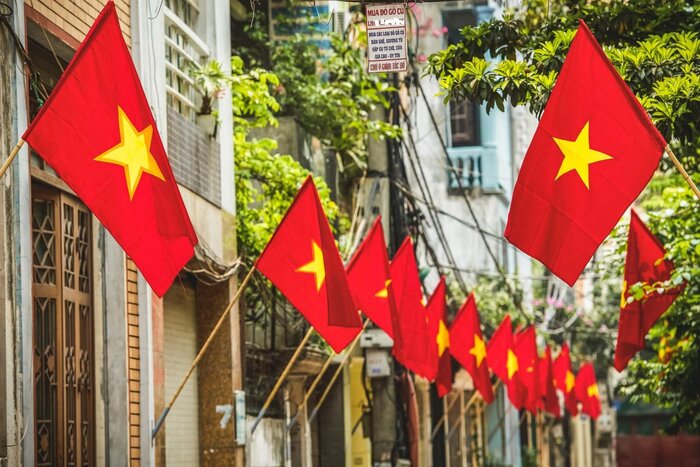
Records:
x=210, y=81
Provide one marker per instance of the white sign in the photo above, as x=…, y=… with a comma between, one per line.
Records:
x=386, y=38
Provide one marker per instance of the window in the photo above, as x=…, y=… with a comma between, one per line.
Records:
x=464, y=115
x=464, y=124
x=183, y=48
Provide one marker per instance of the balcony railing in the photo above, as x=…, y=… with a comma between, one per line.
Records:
x=477, y=166
x=183, y=48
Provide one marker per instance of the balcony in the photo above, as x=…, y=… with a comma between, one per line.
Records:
x=478, y=167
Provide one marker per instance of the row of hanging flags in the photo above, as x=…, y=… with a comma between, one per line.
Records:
x=594, y=151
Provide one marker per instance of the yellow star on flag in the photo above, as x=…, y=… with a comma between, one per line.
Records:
x=133, y=153
x=623, y=299
x=315, y=266
x=592, y=390
x=578, y=155
x=479, y=350
x=384, y=293
x=442, y=338
x=511, y=364
x=570, y=381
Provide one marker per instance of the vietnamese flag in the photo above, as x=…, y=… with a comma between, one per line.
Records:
x=548, y=392
x=525, y=349
x=302, y=261
x=593, y=152
x=369, y=279
x=503, y=361
x=468, y=347
x=587, y=391
x=644, y=263
x=437, y=318
x=97, y=132
x=565, y=380
x=414, y=344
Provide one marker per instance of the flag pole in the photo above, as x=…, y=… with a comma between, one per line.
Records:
x=11, y=157
x=204, y=348
x=308, y=393
x=680, y=168
x=281, y=379
x=442, y=419
x=312, y=388
x=348, y=351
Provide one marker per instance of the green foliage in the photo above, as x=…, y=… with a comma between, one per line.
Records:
x=210, y=81
x=516, y=59
x=266, y=182
x=332, y=96
x=668, y=376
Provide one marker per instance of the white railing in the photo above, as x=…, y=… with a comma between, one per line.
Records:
x=183, y=49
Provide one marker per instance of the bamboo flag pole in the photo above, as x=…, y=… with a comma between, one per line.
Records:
x=281, y=379
x=316, y=381
x=308, y=393
x=11, y=157
x=204, y=348
x=469, y=403
x=442, y=419
x=680, y=168
x=348, y=351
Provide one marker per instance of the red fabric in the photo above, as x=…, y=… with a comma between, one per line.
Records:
x=525, y=348
x=564, y=379
x=548, y=392
x=587, y=391
x=81, y=120
x=368, y=274
x=304, y=230
x=464, y=331
x=644, y=263
x=437, y=319
x=561, y=222
x=499, y=350
x=413, y=341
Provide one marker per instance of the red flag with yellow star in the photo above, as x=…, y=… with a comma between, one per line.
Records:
x=467, y=346
x=565, y=380
x=548, y=392
x=302, y=261
x=503, y=361
x=587, y=391
x=525, y=349
x=414, y=344
x=97, y=132
x=437, y=319
x=644, y=263
x=369, y=279
x=593, y=152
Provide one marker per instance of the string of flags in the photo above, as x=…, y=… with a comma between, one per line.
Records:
x=594, y=151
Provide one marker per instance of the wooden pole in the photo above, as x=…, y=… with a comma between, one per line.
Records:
x=316, y=381
x=442, y=419
x=348, y=351
x=281, y=379
x=202, y=351
x=467, y=406
x=680, y=168
x=11, y=157
x=446, y=414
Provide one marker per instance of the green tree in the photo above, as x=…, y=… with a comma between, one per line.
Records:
x=655, y=47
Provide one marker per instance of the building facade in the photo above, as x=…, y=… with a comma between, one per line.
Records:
x=92, y=355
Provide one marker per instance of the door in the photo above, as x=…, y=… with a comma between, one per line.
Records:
x=63, y=331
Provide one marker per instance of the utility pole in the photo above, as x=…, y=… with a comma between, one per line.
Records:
x=380, y=365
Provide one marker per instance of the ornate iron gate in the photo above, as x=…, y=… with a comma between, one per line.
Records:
x=64, y=404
